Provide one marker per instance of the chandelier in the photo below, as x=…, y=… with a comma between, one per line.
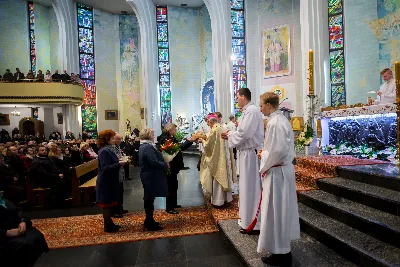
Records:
x=15, y=112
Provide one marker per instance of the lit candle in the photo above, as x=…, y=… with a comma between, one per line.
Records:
x=311, y=72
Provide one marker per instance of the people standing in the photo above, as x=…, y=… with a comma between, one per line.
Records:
x=279, y=210
x=108, y=178
x=248, y=140
x=176, y=165
x=153, y=176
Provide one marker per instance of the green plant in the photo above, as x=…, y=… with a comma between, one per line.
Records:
x=180, y=135
x=305, y=137
x=362, y=152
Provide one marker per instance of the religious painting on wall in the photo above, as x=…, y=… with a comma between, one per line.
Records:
x=111, y=115
x=35, y=113
x=60, y=118
x=276, y=50
x=4, y=119
x=207, y=98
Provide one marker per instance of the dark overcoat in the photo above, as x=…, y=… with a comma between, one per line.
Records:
x=153, y=172
x=107, y=184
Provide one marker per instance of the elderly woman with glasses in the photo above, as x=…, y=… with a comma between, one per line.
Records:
x=153, y=176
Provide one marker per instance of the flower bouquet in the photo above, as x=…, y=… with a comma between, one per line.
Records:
x=305, y=138
x=169, y=150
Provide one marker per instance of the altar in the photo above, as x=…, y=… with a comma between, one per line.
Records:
x=363, y=131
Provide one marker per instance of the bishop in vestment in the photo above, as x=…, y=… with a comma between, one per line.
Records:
x=217, y=172
x=279, y=210
x=248, y=140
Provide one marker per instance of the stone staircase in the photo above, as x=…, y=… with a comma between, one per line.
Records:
x=356, y=215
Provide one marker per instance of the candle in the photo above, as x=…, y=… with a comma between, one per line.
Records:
x=311, y=72
x=319, y=128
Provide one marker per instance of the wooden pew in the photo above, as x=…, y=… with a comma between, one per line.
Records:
x=87, y=188
x=36, y=196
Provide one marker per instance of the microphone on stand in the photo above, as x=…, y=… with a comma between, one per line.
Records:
x=283, y=100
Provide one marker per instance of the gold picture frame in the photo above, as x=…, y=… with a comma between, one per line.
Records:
x=4, y=119
x=297, y=123
x=111, y=114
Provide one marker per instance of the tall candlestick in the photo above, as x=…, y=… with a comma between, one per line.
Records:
x=397, y=81
x=311, y=72
x=319, y=128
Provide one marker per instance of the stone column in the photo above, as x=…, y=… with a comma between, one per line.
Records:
x=315, y=36
x=150, y=99
x=68, y=33
x=71, y=122
x=220, y=14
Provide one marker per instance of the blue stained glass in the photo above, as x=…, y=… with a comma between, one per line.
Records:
x=238, y=42
x=239, y=69
x=239, y=61
x=338, y=95
x=165, y=94
x=163, y=55
x=87, y=66
x=85, y=40
x=163, y=44
x=162, y=32
x=163, y=67
x=85, y=18
x=239, y=50
x=237, y=30
x=237, y=4
x=164, y=81
x=237, y=17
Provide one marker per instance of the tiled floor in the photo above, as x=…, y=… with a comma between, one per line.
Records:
x=201, y=250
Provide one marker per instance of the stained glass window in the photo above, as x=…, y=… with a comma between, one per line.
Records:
x=336, y=52
x=238, y=48
x=163, y=64
x=32, y=39
x=87, y=68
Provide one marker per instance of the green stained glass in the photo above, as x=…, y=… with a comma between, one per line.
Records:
x=337, y=67
x=336, y=32
x=334, y=7
x=89, y=118
x=338, y=95
x=237, y=4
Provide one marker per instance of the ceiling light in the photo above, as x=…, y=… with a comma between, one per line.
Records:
x=15, y=112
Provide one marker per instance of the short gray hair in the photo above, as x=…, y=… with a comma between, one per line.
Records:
x=146, y=134
x=168, y=127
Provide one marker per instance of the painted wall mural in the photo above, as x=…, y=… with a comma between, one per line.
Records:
x=386, y=30
x=276, y=43
x=130, y=74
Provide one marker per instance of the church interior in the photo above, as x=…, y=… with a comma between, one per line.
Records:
x=72, y=71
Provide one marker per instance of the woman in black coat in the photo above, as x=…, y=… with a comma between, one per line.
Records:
x=176, y=165
x=21, y=244
x=153, y=176
x=107, y=184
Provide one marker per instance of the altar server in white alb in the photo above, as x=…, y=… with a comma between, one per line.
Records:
x=248, y=140
x=279, y=210
x=387, y=91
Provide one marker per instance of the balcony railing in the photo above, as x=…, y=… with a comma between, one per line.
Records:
x=40, y=92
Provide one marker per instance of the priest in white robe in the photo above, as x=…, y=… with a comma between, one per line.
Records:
x=248, y=140
x=217, y=171
x=387, y=91
x=279, y=211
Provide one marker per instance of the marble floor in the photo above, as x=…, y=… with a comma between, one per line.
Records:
x=201, y=250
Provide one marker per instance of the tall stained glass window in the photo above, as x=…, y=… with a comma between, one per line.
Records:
x=163, y=65
x=336, y=52
x=238, y=48
x=87, y=68
x=32, y=40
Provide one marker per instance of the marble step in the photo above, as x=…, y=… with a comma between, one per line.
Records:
x=376, y=223
x=307, y=252
x=360, y=248
x=373, y=196
x=382, y=175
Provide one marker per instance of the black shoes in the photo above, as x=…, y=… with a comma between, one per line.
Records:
x=112, y=228
x=152, y=226
x=117, y=215
x=178, y=206
x=244, y=232
x=172, y=211
x=124, y=211
x=282, y=260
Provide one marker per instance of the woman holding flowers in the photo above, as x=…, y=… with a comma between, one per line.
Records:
x=176, y=165
x=153, y=176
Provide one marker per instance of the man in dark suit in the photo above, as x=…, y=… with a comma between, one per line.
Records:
x=18, y=75
x=40, y=76
x=56, y=76
x=8, y=76
x=65, y=76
